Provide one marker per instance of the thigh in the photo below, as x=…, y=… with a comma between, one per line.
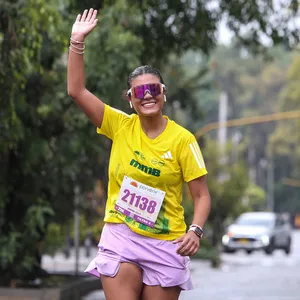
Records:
x=157, y=292
x=128, y=283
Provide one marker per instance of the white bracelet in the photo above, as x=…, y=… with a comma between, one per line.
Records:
x=76, y=51
x=77, y=42
x=197, y=229
x=196, y=225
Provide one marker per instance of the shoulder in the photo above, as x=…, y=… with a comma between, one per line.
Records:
x=110, y=109
x=118, y=116
x=182, y=134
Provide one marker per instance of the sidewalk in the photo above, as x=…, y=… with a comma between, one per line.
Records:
x=60, y=263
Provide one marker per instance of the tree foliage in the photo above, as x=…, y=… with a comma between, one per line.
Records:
x=256, y=87
x=285, y=140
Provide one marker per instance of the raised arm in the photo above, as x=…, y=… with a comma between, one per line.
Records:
x=89, y=103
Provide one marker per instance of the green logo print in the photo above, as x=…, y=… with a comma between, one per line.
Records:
x=161, y=224
x=145, y=169
x=139, y=154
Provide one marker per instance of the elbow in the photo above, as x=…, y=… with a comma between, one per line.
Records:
x=71, y=94
x=74, y=92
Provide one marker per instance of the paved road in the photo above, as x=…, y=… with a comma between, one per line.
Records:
x=240, y=277
x=256, y=277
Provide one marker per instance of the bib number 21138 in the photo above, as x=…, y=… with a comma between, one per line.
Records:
x=139, y=201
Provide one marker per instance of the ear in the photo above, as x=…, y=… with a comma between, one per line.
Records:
x=164, y=88
x=125, y=95
x=129, y=94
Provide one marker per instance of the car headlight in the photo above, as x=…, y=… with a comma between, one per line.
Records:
x=265, y=240
x=225, y=239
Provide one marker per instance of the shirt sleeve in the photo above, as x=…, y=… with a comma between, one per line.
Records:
x=113, y=120
x=191, y=159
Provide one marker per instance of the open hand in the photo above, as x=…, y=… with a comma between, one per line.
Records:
x=189, y=244
x=84, y=24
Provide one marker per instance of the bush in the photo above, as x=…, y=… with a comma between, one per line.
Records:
x=54, y=239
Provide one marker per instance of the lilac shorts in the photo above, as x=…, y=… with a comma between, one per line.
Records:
x=160, y=263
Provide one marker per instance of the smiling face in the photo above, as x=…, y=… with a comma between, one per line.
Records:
x=150, y=105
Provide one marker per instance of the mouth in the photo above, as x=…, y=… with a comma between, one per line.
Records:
x=148, y=104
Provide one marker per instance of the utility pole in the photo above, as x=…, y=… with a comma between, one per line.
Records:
x=223, y=112
x=217, y=226
x=76, y=228
x=270, y=184
x=222, y=132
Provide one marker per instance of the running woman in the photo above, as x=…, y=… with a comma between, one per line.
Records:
x=145, y=245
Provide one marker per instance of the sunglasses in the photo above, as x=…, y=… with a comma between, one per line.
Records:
x=139, y=92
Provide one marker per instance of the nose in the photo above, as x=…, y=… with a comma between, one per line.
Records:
x=147, y=95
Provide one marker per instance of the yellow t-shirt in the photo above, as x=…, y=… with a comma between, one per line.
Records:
x=164, y=163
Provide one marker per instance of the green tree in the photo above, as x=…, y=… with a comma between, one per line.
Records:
x=185, y=25
x=24, y=202
x=284, y=143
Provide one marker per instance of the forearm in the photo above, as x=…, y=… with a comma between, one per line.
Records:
x=202, y=208
x=76, y=77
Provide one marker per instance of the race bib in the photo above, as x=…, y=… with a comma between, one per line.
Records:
x=139, y=201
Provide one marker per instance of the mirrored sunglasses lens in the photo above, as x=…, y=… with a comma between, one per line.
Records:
x=140, y=91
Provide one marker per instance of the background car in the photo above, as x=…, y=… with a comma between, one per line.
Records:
x=258, y=230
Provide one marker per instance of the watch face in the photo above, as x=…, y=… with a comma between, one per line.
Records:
x=198, y=230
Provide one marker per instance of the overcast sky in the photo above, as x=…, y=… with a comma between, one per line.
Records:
x=224, y=35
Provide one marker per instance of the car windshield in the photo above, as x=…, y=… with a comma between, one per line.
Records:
x=254, y=221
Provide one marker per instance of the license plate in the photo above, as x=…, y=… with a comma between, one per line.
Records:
x=243, y=241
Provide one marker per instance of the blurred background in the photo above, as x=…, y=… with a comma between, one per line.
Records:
x=232, y=69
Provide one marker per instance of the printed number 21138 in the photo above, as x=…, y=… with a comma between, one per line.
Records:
x=142, y=203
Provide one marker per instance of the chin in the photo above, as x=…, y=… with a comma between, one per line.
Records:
x=149, y=112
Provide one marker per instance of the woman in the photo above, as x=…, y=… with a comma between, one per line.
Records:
x=144, y=247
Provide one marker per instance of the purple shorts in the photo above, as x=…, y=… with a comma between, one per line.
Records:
x=160, y=263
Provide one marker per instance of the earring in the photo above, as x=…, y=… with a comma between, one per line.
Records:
x=165, y=98
x=130, y=104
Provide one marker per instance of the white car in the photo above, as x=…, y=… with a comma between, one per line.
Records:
x=258, y=230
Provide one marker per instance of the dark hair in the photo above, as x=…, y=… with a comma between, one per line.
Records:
x=143, y=70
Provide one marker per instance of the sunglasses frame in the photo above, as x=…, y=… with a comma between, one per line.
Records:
x=163, y=87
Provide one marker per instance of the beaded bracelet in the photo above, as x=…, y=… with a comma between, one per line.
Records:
x=77, y=42
x=78, y=48
x=76, y=51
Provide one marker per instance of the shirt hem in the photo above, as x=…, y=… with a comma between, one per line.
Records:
x=164, y=237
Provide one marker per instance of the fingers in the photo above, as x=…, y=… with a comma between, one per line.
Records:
x=189, y=249
x=95, y=22
x=83, y=17
x=94, y=15
x=87, y=16
x=180, y=239
x=189, y=246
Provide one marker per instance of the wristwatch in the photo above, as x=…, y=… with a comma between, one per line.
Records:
x=197, y=230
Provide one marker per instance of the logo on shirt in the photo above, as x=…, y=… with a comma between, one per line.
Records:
x=197, y=154
x=139, y=154
x=167, y=155
x=144, y=168
x=155, y=161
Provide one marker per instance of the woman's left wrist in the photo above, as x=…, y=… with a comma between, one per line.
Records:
x=197, y=229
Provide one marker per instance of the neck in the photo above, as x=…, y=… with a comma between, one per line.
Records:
x=153, y=126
